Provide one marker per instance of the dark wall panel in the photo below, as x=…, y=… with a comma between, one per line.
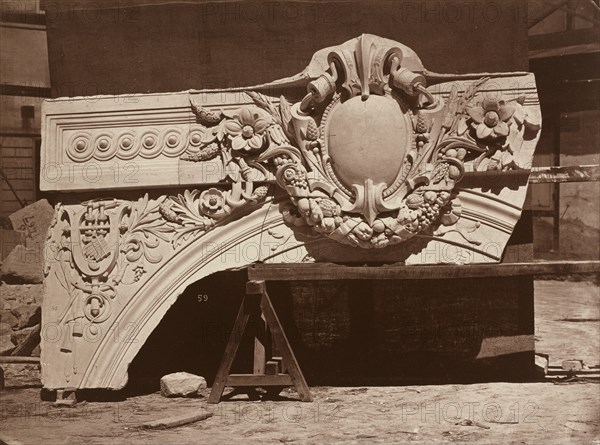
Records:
x=171, y=47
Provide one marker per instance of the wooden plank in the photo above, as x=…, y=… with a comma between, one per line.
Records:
x=259, y=357
x=29, y=343
x=276, y=357
x=556, y=217
x=583, y=48
x=538, y=175
x=577, y=173
x=563, y=39
x=260, y=329
x=259, y=380
x=175, y=421
x=327, y=271
x=12, y=359
x=558, y=370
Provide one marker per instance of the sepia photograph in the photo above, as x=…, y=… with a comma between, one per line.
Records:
x=299, y=222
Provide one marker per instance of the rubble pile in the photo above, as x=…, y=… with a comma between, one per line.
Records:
x=21, y=273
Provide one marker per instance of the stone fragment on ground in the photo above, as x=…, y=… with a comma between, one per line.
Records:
x=18, y=375
x=572, y=365
x=6, y=345
x=19, y=309
x=27, y=315
x=8, y=240
x=15, y=295
x=18, y=337
x=7, y=320
x=182, y=384
x=24, y=264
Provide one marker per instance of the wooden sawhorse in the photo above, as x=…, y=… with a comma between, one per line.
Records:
x=256, y=305
x=281, y=370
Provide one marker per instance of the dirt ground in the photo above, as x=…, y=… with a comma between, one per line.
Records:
x=567, y=326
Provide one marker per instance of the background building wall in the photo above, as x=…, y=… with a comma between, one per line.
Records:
x=24, y=82
x=125, y=47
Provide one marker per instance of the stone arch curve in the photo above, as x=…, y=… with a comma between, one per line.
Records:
x=259, y=235
x=104, y=363
x=108, y=366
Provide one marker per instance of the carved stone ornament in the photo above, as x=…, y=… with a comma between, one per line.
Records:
x=369, y=157
x=377, y=159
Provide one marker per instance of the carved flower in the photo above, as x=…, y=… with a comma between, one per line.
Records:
x=212, y=201
x=246, y=130
x=490, y=118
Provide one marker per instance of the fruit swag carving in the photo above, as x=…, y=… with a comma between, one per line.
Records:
x=369, y=157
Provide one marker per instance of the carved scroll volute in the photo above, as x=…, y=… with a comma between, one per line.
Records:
x=363, y=72
x=368, y=201
x=372, y=59
x=380, y=65
x=344, y=61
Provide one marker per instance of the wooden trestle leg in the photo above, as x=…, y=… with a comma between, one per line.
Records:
x=281, y=370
